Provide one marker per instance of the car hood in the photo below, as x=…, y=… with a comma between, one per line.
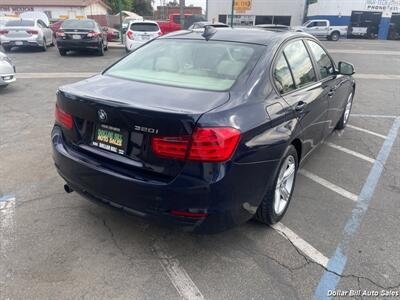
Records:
x=146, y=95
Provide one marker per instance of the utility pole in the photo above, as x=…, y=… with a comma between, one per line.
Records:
x=232, y=12
x=182, y=12
x=120, y=21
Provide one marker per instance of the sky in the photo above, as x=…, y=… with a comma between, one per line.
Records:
x=187, y=2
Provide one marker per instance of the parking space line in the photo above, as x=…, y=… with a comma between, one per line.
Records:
x=377, y=76
x=374, y=116
x=338, y=261
x=301, y=244
x=329, y=185
x=181, y=280
x=351, y=152
x=366, y=131
x=367, y=52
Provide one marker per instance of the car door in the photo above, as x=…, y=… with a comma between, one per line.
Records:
x=307, y=99
x=334, y=85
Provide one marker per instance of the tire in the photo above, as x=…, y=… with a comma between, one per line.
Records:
x=270, y=211
x=100, y=51
x=63, y=52
x=346, y=112
x=335, y=36
x=44, y=47
x=3, y=86
x=6, y=49
x=106, y=47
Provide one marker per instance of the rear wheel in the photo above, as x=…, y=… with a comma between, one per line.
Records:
x=7, y=49
x=63, y=52
x=335, y=36
x=277, y=199
x=44, y=47
x=346, y=113
x=106, y=46
x=100, y=51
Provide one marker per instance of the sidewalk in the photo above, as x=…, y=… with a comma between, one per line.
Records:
x=115, y=45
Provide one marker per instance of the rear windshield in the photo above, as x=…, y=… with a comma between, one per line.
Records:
x=23, y=23
x=78, y=24
x=197, y=64
x=144, y=27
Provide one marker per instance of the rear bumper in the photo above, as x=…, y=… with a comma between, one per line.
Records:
x=7, y=73
x=22, y=42
x=229, y=194
x=78, y=44
x=132, y=45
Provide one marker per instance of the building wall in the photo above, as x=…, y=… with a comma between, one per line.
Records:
x=163, y=12
x=293, y=8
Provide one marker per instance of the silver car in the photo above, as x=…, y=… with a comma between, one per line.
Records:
x=7, y=70
x=25, y=32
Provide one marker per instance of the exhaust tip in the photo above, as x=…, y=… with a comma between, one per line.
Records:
x=68, y=189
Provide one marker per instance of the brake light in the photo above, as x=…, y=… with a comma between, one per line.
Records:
x=206, y=144
x=32, y=32
x=60, y=34
x=64, y=118
x=130, y=35
x=93, y=34
x=3, y=32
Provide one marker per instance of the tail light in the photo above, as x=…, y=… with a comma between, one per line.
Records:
x=206, y=144
x=3, y=32
x=64, y=118
x=32, y=32
x=130, y=35
x=93, y=34
x=60, y=34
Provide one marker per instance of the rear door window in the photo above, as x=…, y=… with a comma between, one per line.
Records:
x=325, y=65
x=300, y=63
x=144, y=27
x=282, y=76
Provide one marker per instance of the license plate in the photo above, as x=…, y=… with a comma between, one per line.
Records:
x=76, y=36
x=110, y=138
x=19, y=43
x=145, y=37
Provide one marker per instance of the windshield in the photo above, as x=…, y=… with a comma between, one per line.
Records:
x=77, y=24
x=194, y=64
x=22, y=23
x=144, y=27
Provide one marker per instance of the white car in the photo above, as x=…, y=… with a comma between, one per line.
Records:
x=7, y=70
x=140, y=32
x=25, y=32
x=323, y=29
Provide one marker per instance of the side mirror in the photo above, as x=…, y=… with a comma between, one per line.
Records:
x=346, y=68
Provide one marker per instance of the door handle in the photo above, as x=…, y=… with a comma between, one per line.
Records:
x=331, y=93
x=300, y=106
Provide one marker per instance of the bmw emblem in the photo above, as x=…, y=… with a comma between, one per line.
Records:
x=102, y=115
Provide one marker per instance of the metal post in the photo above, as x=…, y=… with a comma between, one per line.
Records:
x=120, y=21
x=232, y=12
x=206, y=10
x=182, y=13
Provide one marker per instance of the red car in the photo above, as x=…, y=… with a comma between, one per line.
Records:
x=112, y=34
x=55, y=26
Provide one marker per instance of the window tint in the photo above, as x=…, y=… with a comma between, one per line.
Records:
x=300, y=63
x=23, y=23
x=78, y=24
x=283, y=77
x=325, y=65
x=144, y=27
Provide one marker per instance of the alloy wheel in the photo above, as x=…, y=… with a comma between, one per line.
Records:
x=348, y=108
x=284, y=185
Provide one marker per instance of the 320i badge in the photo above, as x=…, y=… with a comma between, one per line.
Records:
x=204, y=130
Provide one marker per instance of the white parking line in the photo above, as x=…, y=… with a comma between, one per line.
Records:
x=181, y=280
x=54, y=75
x=374, y=116
x=351, y=152
x=329, y=185
x=367, y=131
x=301, y=244
x=377, y=76
x=367, y=52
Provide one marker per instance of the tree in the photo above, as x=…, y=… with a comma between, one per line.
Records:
x=114, y=4
x=143, y=7
x=173, y=3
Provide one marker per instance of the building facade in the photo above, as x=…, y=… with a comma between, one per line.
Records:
x=58, y=9
x=163, y=12
x=377, y=18
x=285, y=12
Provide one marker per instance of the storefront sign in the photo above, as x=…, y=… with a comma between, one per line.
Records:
x=383, y=5
x=15, y=9
x=242, y=5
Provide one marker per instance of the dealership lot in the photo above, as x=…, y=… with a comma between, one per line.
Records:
x=341, y=230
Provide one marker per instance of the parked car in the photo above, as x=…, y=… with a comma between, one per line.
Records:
x=112, y=34
x=81, y=35
x=128, y=20
x=7, y=70
x=173, y=23
x=140, y=32
x=323, y=29
x=273, y=27
x=202, y=24
x=204, y=131
x=55, y=27
x=25, y=33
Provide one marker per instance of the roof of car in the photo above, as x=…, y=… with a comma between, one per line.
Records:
x=242, y=35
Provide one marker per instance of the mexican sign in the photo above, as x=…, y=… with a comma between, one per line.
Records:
x=242, y=5
x=383, y=5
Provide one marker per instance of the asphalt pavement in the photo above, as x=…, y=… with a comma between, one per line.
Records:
x=341, y=232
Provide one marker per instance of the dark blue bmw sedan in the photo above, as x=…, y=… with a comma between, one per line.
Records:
x=205, y=130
